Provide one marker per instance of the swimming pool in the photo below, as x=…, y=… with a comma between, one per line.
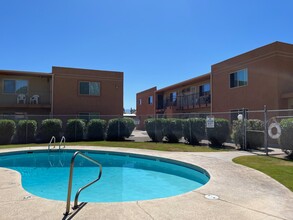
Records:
x=126, y=177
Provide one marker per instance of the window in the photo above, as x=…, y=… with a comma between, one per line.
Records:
x=89, y=115
x=150, y=100
x=12, y=86
x=173, y=97
x=89, y=88
x=238, y=78
x=204, y=89
x=139, y=101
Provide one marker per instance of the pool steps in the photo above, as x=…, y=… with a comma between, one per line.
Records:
x=53, y=141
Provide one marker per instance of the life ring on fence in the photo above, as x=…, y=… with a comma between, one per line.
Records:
x=277, y=127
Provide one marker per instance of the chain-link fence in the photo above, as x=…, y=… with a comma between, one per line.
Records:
x=244, y=129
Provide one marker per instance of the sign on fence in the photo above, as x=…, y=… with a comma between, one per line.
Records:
x=210, y=122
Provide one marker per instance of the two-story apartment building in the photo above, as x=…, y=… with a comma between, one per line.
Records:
x=263, y=76
x=64, y=91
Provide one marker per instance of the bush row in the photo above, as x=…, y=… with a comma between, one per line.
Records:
x=192, y=130
x=25, y=131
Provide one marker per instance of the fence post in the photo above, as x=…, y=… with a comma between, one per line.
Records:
x=266, y=130
x=244, y=128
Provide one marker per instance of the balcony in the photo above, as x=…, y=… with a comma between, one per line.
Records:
x=20, y=101
x=184, y=102
x=193, y=101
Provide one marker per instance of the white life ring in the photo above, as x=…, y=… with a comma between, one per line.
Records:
x=277, y=127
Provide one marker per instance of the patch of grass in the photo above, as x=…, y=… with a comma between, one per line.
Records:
x=279, y=169
x=176, y=147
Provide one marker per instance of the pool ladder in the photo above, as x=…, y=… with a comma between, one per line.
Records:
x=82, y=188
x=53, y=141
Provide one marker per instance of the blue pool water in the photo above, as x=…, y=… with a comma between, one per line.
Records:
x=125, y=177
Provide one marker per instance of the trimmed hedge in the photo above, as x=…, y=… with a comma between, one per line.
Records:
x=155, y=128
x=96, y=129
x=286, y=139
x=49, y=128
x=220, y=133
x=173, y=130
x=26, y=131
x=75, y=129
x=254, y=133
x=7, y=130
x=119, y=128
x=194, y=130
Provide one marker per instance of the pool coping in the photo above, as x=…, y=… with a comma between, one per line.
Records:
x=233, y=192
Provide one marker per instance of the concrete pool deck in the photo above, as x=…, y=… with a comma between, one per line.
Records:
x=243, y=193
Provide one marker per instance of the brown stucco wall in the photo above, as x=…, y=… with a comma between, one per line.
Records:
x=269, y=75
x=68, y=101
x=145, y=110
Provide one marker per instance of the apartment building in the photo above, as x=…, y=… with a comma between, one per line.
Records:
x=263, y=76
x=64, y=91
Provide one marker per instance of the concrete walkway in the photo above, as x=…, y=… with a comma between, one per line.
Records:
x=243, y=193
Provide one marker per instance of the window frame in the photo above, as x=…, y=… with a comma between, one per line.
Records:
x=173, y=96
x=15, y=87
x=150, y=100
x=202, y=92
x=245, y=70
x=89, y=93
x=88, y=115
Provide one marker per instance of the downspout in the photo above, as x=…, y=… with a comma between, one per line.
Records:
x=211, y=86
x=52, y=94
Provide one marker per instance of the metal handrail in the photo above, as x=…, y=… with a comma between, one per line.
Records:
x=63, y=140
x=82, y=188
x=49, y=145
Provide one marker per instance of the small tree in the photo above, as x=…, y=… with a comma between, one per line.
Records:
x=173, y=130
x=194, y=130
x=96, y=129
x=7, y=130
x=75, y=129
x=286, y=140
x=26, y=131
x=49, y=128
x=119, y=128
x=155, y=128
x=220, y=133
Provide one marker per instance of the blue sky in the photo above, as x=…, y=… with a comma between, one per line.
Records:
x=154, y=42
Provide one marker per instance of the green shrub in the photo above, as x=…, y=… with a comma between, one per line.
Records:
x=254, y=133
x=286, y=138
x=173, y=130
x=155, y=128
x=220, y=133
x=49, y=128
x=75, y=130
x=130, y=126
x=194, y=130
x=119, y=128
x=96, y=129
x=237, y=135
x=26, y=131
x=7, y=130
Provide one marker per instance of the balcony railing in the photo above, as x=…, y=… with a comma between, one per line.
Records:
x=34, y=100
x=190, y=101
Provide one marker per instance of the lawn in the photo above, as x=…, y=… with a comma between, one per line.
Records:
x=279, y=169
x=177, y=147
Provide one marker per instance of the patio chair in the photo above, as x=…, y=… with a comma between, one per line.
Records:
x=34, y=99
x=21, y=98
